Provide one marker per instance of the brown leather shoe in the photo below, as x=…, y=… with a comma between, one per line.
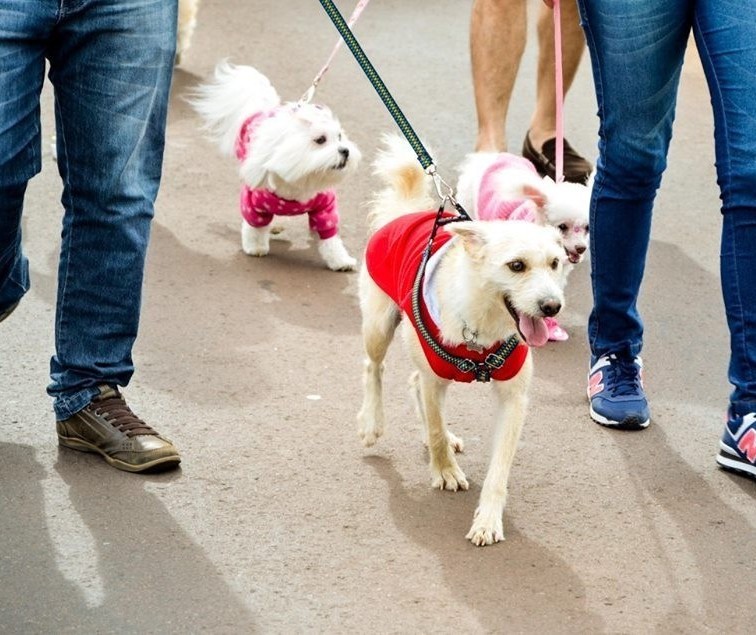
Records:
x=107, y=426
x=576, y=168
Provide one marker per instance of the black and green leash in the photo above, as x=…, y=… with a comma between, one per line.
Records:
x=496, y=359
x=346, y=33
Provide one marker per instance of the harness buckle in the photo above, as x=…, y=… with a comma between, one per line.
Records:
x=466, y=365
x=495, y=361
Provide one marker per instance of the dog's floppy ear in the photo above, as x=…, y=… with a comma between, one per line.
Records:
x=473, y=237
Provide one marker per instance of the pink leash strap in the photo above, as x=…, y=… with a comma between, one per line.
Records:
x=559, y=92
x=358, y=9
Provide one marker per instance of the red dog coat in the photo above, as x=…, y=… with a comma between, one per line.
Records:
x=392, y=258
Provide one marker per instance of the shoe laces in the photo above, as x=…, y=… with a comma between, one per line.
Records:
x=625, y=378
x=116, y=412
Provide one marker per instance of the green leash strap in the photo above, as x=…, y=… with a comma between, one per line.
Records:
x=495, y=360
x=346, y=33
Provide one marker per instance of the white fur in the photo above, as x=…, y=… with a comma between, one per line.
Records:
x=187, y=22
x=564, y=205
x=473, y=277
x=283, y=156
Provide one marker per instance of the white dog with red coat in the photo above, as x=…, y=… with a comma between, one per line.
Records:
x=482, y=301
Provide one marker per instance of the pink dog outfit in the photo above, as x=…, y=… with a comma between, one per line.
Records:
x=491, y=207
x=259, y=205
x=392, y=258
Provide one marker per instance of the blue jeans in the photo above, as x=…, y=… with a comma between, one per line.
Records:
x=111, y=64
x=637, y=49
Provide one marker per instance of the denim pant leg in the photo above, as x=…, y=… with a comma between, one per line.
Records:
x=637, y=49
x=726, y=38
x=22, y=68
x=110, y=64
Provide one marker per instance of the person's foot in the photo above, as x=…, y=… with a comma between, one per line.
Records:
x=737, y=449
x=615, y=389
x=576, y=168
x=107, y=426
x=4, y=314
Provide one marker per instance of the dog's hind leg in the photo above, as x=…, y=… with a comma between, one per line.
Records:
x=456, y=443
x=511, y=395
x=445, y=472
x=380, y=317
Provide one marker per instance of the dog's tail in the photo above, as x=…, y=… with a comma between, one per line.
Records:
x=407, y=188
x=233, y=94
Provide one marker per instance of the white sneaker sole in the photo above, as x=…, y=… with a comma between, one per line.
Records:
x=630, y=423
x=730, y=461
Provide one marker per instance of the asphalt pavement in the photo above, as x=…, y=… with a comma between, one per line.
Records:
x=279, y=521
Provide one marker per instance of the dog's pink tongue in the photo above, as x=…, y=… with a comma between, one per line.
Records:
x=534, y=330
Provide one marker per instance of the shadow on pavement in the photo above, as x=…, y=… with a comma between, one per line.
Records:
x=153, y=577
x=517, y=583
x=717, y=540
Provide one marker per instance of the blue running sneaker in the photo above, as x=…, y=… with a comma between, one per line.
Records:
x=737, y=449
x=615, y=388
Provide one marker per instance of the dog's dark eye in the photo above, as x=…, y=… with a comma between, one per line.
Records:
x=518, y=266
x=586, y=229
x=321, y=140
x=555, y=264
x=563, y=227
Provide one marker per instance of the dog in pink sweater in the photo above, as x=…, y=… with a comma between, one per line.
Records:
x=503, y=186
x=291, y=156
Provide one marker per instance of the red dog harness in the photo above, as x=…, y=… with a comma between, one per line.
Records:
x=394, y=254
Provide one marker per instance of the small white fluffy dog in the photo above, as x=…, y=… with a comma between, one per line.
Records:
x=291, y=155
x=487, y=284
x=187, y=22
x=498, y=185
x=504, y=186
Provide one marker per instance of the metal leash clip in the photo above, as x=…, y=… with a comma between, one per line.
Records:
x=443, y=189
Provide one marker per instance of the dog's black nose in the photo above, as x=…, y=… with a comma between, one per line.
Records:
x=344, y=152
x=580, y=250
x=550, y=307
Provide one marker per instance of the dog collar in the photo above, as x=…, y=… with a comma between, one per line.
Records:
x=481, y=369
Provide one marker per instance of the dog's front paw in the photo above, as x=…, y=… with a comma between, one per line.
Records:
x=336, y=256
x=348, y=264
x=369, y=430
x=255, y=240
x=450, y=478
x=485, y=530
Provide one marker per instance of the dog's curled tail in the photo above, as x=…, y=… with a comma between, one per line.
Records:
x=233, y=94
x=407, y=188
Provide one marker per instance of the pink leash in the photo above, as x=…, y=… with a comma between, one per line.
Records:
x=559, y=92
x=358, y=9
